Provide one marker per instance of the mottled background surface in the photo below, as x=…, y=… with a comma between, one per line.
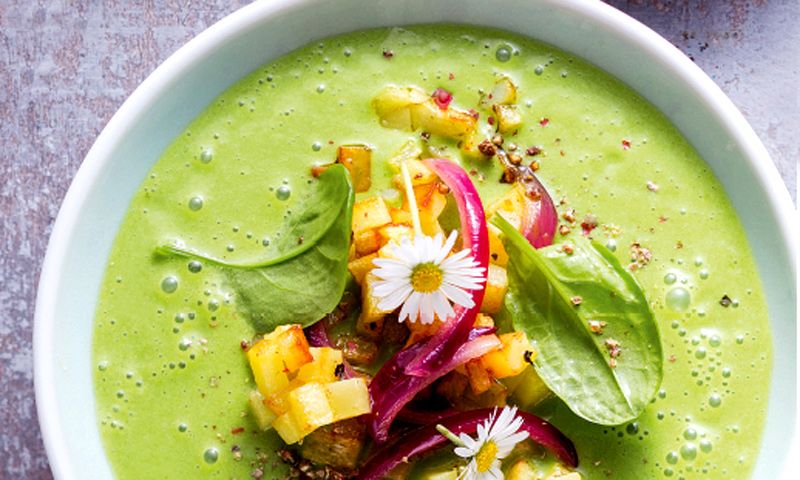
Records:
x=66, y=66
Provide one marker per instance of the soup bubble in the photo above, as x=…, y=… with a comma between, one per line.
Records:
x=206, y=155
x=503, y=53
x=211, y=455
x=169, y=284
x=194, y=266
x=195, y=203
x=689, y=451
x=283, y=192
x=678, y=299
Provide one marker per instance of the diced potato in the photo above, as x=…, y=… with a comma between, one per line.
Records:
x=357, y=350
x=430, y=203
x=357, y=159
x=393, y=105
x=452, y=474
x=410, y=151
x=370, y=214
x=510, y=360
x=263, y=415
x=370, y=322
x=479, y=379
x=419, y=330
x=482, y=320
x=348, y=398
x=268, y=368
x=497, y=252
x=508, y=117
x=290, y=429
x=395, y=233
x=410, y=108
x=323, y=368
x=564, y=476
x=290, y=340
x=310, y=407
x=400, y=216
x=510, y=206
x=338, y=445
x=366, y=242
x=522, y=470
x=279, y=402
x=496, y=287
x=361, y=266
x=530, y=390
x=504, y=92
x=419, y=173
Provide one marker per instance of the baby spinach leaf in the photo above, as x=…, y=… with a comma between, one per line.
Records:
x=598, y=343
x=305, y=276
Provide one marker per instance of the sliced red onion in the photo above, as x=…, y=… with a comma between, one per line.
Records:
x=539, y=216
x=427, y=439
x=413, y=369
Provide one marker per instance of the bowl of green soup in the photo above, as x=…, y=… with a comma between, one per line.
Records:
x=629, y=288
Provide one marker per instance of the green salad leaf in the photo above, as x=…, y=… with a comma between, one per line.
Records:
x=306, y=274
x=598, y=343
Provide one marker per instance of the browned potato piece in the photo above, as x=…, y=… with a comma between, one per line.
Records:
x=357, y=159
x=508, y=118
x=504, y=92
x=338, y=445
x=496, y=287
x=361, y=266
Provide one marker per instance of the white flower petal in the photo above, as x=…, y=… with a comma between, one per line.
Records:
x=457, y=295
x=410, y=308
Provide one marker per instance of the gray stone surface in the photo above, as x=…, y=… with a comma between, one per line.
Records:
x=65, y=67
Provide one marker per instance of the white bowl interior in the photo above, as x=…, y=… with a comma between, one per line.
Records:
x=182, y=87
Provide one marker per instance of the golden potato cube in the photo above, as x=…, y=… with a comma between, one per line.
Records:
x=504, y=92
x=290, y=340
x=310, y=407
x=348, y=398
x=268, y=368
x=451, y=123
x=482, y=320
x=323, y=368
x=497, y=252
x=361, y=266
x=370, y=322
x=508, y=118
x=522, y=470
x=511, y=359
x=430, y=204
x=408, y=152
x=263, y=415
x=400, y=216
x=393, y=106
x=366, y=242
x=290, y=429
x=395, y=233
x=419, y=173
x=370, y=214
x=479, y=379
x=357, y=159
x=510, y=206
x=496, y=287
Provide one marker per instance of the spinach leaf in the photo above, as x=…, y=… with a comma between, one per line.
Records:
x=306, y=275
x=598, y=343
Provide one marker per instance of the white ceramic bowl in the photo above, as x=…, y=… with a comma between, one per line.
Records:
x=191, y=78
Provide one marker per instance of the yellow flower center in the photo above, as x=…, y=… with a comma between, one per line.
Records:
x=486, y=456
x=426, y=277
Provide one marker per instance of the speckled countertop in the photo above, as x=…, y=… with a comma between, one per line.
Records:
x=65, y=68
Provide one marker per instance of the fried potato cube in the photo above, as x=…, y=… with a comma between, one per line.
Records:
x=451, y=122
x=323, y=368
x=338, y=444
x=310, y=407
x=348, y=398
x=479, y=379
x=370, y=321
x=357, y=159
x=395, y=233
x=370, y=214
x=262, y=414
x=496, y=287
x=504, y=92
x=510, y=206
x=511, y=359
x=497, y=252
x=508, y=118
x=400, y=216
x=522, y=470
x=366, y=242
x=291, y=343
x=482, y=320
x=419, y=173
x=290, y=429
x=360, y=267
x=393, y=105
x=431, y=202
x=268, y=368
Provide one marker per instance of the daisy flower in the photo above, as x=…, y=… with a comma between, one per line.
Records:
x=420, y=276
x=497, y=437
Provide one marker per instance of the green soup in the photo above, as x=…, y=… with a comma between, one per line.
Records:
x=171, y=381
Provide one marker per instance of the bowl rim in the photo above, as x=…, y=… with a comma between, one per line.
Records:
x=764, y=171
